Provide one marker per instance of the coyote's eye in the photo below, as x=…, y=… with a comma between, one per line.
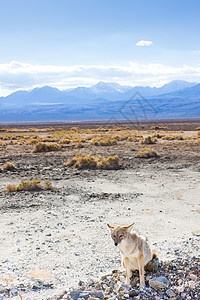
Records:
x=121, y=236
x=114, y=236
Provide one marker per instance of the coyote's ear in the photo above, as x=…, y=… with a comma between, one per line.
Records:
x=110, y=226
x=129, y=227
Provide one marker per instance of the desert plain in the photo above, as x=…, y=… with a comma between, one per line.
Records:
x=58, y=237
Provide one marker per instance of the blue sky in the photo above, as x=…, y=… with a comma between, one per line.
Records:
x=66, y=43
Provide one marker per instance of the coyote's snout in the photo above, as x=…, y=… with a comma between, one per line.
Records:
x=134, y=249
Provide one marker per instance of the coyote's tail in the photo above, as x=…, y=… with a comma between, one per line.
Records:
x=154, y=254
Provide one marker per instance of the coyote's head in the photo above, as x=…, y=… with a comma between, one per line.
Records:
x=119, y=233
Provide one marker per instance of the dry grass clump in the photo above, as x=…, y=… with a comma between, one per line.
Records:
x=173, y=137
x=87, y=161
x=64, y=141
x=148, y=140
x=33, y=140
x=158, y=135
x=109, y=163
x=28, y=129
x=157, y=127
x=103, y=142
x=5, y=137
x=146, y=153
x=79, y=145
x=34, y=185
x=8, y=167
x=42, y=147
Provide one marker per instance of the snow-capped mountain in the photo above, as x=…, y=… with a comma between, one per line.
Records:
x=177, y=99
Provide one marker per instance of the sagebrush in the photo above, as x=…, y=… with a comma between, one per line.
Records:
x=88, y=161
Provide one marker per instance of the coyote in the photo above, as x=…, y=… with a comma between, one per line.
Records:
x=134, y=249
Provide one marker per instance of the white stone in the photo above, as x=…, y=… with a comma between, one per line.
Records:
x=191, y=284
x=159, y=282
x=180, y=289
x=193, y=277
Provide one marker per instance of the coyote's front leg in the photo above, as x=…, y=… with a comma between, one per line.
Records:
x=127, y=267
x=141, y=268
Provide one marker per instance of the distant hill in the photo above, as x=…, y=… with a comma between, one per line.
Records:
x=103, y=101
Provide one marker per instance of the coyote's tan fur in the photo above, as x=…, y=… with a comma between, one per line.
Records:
x=135, y=250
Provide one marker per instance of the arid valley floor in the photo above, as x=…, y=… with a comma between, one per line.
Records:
x=59, y=235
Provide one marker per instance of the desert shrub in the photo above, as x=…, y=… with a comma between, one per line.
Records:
x=173, y=137
x=34, y=185
x=27, y=129
x=87, y=161
x=8, y=167
x=42, y=147
x=110, y=163
x=157, y=135
x=132, y=139
x=64, y=141
x=11, y=188
x=157, y=127
x=33, y=139
x=79, y=145
x=5, y=137
x=48, y=140
x=146, y=153
x=103, y=142
x=148, y=140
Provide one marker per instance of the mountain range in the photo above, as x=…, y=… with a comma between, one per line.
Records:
x=103, y=101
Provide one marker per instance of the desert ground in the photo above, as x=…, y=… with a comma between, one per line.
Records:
x=51, y=239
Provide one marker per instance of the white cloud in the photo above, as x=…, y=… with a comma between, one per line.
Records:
x=144, y=43
x=18, y=75
x=196, y=51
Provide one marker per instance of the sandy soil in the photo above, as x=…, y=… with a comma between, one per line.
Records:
x=61, y=236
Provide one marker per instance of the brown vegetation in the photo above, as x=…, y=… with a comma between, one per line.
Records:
x=8, y=167
x=173, y=137
x=157, y=127
x=34, y=185
x=42, y=147
x=146, y=153
x=87, y=161
x=103, y=142
x=148, y=140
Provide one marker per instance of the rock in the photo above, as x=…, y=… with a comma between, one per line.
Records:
x=75, y=294
x=36, y=288
x=159, y=282
x=152, y=266
x=191, y=284
x=180, y=289
x=14, y=292
x=193, y=277
x=86, y=294
x=133, y=293
x=170, y=293
x=97, y=294
x=122, y=286
x=81, y=283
